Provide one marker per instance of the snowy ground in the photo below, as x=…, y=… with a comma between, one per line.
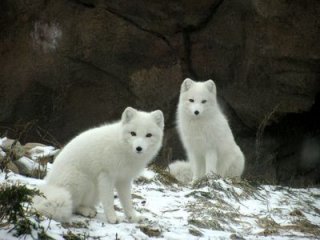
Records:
x=213, y=208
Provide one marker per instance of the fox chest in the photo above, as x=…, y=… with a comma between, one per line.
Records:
x=198, y=136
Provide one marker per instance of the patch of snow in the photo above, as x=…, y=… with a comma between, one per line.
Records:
x=40, y=152
x=30, y=164
x=218, y=209
x=1, y=140
x=2, y=153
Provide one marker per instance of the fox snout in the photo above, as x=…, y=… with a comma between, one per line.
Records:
x=139, y=146
x=196, y=110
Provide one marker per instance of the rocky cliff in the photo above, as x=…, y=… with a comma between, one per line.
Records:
x=69, y=65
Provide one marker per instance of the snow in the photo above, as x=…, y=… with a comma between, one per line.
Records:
x=212, y=209
x=2, y=153
x=29, y=164
x=42, y=151
x=2, y=140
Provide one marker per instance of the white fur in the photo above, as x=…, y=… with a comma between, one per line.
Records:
x=207, y=137
x=181, y=170
x=98, y=160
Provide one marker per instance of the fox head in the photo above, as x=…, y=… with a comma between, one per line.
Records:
x=197, y=99
x=142, y=131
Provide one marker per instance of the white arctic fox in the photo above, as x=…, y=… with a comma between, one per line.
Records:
x=205, y=133
x=98, y=160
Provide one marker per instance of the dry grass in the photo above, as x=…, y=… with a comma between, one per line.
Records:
x=150, y=231
x=217, y=200
x=260, y=131
x=163, y=176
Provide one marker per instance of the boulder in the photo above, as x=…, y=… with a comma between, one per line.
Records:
x=13, y=148
x=69, y=65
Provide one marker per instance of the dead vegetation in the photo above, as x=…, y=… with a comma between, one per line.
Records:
x=260, y=131
x=16, y=211
x=150, y=231
x=163, y=176
x=218, y=204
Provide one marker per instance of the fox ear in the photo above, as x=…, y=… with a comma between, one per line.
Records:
x=158, y=117
x=211, y=86
x=186, y=85
x=128, y=114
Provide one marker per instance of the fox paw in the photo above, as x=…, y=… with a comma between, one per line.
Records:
x=136, y=218
x=112, y=218
x=86, y=211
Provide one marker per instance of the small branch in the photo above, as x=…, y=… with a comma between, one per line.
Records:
x=261, y=128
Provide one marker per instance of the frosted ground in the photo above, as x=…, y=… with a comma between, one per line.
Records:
x=213, y=208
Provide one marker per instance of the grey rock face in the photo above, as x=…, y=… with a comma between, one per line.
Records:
x=69, y=65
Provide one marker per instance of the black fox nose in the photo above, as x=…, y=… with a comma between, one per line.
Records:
x=139, y=149
x=196, y=112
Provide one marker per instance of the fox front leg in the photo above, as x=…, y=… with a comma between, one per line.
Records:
x=106, y=187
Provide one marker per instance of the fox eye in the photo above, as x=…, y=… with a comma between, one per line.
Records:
x=203, y=101
x=133, y=134
x=191, y=100
x=149, y=135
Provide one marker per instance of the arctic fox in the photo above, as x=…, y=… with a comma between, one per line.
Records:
x=98, y=160
x=205, y=132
